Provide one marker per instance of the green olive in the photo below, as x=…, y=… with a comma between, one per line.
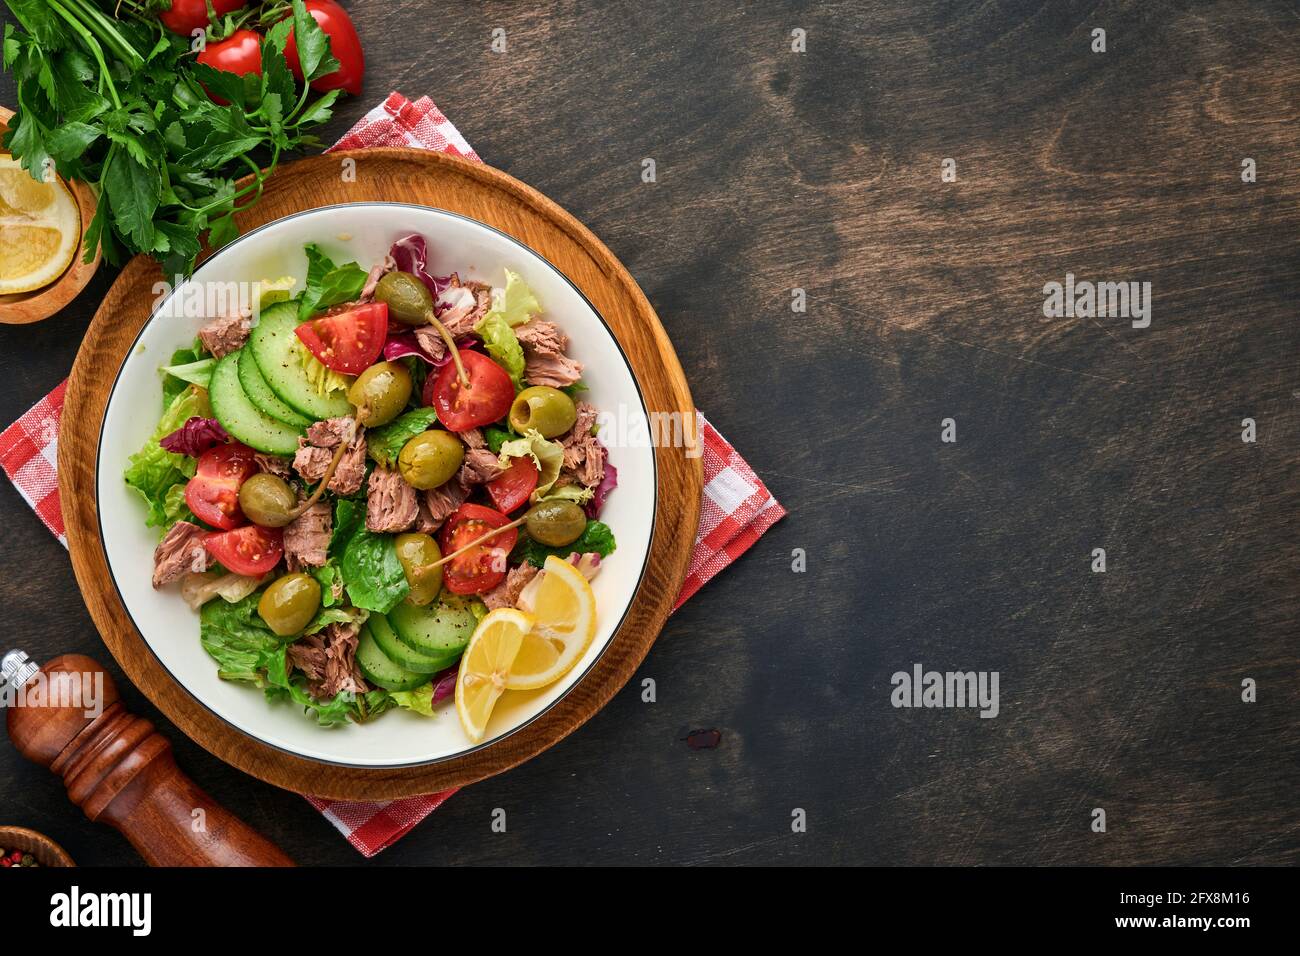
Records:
x=267, y=500
x=546, y=409
x=555, y=523
x=416, y=552
x=430, y=458
x=290, y=603
x=408, y=299
x=380, y=393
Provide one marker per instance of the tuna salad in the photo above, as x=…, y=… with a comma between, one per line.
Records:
x=349, y=483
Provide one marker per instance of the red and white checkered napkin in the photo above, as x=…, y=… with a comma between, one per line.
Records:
x=736, y=509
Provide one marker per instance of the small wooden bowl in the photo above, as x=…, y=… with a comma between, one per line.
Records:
x=46, y=851
x=42, y=303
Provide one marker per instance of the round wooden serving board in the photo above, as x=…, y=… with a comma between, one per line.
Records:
x=492, y=197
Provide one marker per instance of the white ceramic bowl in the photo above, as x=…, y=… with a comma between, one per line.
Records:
x=361, y=232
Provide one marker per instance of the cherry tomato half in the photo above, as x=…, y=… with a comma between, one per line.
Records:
x=213, y=492
x=186, y=16
x=487, y=398
x=240, y=54
x=251, y=550
x=510, y=490
x=345, y=45
x=481, y=568
x=348, y=340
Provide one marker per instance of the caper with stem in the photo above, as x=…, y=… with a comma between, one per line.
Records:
x=267, y=500
x=408, y=299
x=410, y=302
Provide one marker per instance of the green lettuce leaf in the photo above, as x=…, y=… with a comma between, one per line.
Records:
x=193, y=373
x=502, y=345
x=575, y=493
x=419, y=700
x=174, y=506
x=280, y=686
x=517, y=304
x=335, y=615
x=174, y=384
x=328, y=284
x=514, y=306
x=385, y=443
x=327, y=576
x=153, y=470
x=548, y=456
x=496, y=437
x=596, y=537
x=236, y=638
x=373, y=575
x=348, y=515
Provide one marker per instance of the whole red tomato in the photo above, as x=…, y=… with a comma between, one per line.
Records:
x=345, y=45
x=240, y=54
x=186, y=16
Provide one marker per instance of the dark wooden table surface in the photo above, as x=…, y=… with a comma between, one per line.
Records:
x=822, y=170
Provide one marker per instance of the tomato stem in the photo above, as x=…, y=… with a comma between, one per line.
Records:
x=473, y=544
x=451, y=347
x=299, y=511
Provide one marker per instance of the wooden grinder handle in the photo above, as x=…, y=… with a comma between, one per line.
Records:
x=120, y=771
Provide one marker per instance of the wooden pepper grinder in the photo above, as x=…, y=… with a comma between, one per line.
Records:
x=119, y=770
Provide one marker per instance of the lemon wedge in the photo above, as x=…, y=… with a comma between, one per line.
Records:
x=40, y=229
x=485, y=666
x=564, y=611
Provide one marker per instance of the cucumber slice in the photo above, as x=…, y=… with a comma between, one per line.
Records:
x=260, y=394
x=439, y=630
x=403, y=656
x=241, y=418
x=275, y=350
x=379, y=670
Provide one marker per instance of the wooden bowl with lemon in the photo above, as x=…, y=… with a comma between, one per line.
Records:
x=41, y=225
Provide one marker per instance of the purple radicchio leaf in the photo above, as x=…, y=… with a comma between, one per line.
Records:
x=602, y=490
x=411, y=253
x=444, y=684
x=195, y=437
x=401, y=344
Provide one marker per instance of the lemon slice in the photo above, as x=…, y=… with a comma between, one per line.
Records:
x=485, y=665
x=565, y=611
x=40, y=229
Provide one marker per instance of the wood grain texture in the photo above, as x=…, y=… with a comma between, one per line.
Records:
x=119, y=770
x=46, y=851
x=821, y=170
x=483, y=194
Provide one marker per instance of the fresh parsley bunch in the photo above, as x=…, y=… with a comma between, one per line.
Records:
x=123, y=105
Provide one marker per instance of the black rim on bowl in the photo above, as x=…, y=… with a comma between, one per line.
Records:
x=640, y=576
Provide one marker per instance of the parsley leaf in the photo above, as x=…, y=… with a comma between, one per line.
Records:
x=123, y=105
